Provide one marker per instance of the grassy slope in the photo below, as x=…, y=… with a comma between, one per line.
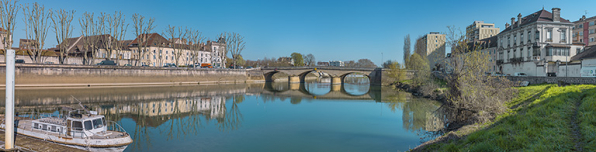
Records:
x=539, y=121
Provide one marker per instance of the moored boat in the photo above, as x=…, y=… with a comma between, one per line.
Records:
x=79, y=128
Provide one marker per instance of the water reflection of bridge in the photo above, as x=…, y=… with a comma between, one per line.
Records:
x=336, y=91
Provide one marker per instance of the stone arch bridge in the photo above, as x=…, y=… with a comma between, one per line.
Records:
x=298, y=74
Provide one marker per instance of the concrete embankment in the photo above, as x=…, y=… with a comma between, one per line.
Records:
x=51, y=76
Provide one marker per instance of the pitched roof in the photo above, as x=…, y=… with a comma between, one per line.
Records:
x=588, y=53
x=153, y=39
x=77, y=43
x=542, y=15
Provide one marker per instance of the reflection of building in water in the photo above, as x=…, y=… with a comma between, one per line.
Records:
x=433, y=122
x=212, y=106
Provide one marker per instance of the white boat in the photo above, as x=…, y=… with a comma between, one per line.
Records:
x=88, y=130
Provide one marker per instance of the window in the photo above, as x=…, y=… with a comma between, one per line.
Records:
x=515, y=39
x=529, y=32
x=88, y=125
x=549, y=35
x=581, y=34
x=97, y=123
x=563, y=35
x=592, y=31
x=166, y=57
x=166, y=52
x=592, y=23
x=581, y=26
x=172, y=57
x=591, y=39
x=537, y=35
x=77, y=125
x=521, y=38
x=153, y=57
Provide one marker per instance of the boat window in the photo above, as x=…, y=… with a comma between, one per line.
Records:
x=44, y=127
x=35, y=125
x=53, y=129
x=88, y=125
x=104, y=121
x=97, y=123
x=77, y=125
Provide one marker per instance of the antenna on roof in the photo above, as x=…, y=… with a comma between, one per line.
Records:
x=543, y=7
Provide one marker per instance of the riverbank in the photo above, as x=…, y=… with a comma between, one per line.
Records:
x=76, y=76
x=542, y=118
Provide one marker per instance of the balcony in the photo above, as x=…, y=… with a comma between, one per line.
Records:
x=516, y=60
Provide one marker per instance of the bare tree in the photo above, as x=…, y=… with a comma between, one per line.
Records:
x=309, y=60
x=470, y=90
x=195, y=39
x=62, y=20
x=142, y=30
x=99, y=36
x=117, y=29
x=36, y=21
x=234, y=45
x=87, y=31
x=8, y=14
x=407, y=52
x=176, y=36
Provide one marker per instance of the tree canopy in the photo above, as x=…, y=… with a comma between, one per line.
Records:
x=298, y=60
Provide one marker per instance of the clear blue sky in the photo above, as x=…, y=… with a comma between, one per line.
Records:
x=330, y=30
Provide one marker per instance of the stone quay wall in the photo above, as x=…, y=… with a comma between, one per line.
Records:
x=539, y=80
x=37, y=75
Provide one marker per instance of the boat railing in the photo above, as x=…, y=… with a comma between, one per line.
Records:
x=113, y=126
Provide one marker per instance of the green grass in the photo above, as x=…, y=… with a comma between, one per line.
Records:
x=587, y=117
x=539, y=124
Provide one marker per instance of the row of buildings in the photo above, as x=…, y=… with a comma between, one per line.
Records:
x=156, y=50
x=538, y=44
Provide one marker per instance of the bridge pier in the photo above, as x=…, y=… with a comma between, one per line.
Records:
x=293, y=79
x=336, y=87
x=336, y=80
x=295, y=86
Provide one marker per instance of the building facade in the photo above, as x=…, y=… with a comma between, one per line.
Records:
x=537, y=44
x=432, y=45
x=584, y=31
x=336, y=63
x=480, y=30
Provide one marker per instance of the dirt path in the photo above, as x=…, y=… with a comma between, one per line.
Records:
x=575, y=130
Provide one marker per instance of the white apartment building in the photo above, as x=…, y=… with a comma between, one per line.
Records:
x=538, y=44
x=336, y=63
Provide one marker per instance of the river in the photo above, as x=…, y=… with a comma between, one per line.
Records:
x=312, y=116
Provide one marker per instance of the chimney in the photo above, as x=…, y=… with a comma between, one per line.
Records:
x=519, y=19
x=512, y=22
x=556, y=14
x=506, y=25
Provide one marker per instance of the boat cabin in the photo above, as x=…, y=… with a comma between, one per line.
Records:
x=77, y=125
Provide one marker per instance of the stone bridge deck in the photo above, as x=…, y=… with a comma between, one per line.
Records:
x=377, y=76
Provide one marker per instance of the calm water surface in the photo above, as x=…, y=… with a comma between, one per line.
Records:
x=313, y=116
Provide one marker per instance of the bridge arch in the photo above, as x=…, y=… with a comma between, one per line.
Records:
x=269, y=75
